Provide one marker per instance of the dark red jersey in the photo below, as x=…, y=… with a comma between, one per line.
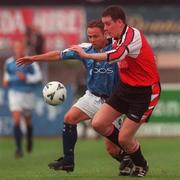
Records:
x=135, y=58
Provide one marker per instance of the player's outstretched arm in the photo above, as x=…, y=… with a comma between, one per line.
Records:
x=83, y=54
x=50, y=56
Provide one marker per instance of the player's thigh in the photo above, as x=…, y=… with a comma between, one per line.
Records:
x=75, y=115
x=128, y=130
x=105, y=116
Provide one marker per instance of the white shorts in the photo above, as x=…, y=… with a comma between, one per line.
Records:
x=89, y=104
x=21, y=101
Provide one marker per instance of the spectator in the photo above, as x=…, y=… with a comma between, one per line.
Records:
x=34, y=41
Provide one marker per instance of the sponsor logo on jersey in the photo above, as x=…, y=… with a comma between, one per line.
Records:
x=101, y=71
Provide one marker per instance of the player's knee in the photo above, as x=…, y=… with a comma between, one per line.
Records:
x=16, y=116
x=70, y=118
x=98, y=126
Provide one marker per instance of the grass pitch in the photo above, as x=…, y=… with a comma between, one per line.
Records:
x=92, y=161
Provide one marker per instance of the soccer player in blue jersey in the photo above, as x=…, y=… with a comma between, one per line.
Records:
x=20, y=83
x=102, y=78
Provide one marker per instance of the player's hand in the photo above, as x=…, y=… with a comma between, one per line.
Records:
x=21, y=76
x=79, y=50
x=24, y=61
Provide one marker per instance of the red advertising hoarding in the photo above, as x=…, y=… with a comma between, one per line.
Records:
x=61, y=27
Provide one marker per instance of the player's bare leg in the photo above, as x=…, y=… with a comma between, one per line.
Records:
x=102, y=123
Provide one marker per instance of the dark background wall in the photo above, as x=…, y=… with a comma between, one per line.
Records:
x=88, y=2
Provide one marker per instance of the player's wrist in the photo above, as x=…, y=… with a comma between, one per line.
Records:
x=88, y=56
x=34, y=58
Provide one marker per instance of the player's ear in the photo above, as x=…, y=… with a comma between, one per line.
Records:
x=106, y=34
x=119, y=21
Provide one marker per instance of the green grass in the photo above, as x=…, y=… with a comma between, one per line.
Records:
x=92, y=161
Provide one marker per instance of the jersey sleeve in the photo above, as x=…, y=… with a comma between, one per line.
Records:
x=6, y=76
x=129, y=46
x=36, y=76
x=68, y=54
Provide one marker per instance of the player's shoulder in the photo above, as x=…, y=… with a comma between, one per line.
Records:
x=133, y=29
x=132, y=33
x=9, y=60
x=86, y=46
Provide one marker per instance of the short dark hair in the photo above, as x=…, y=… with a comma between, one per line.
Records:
x=115, y=12
x=96, y=23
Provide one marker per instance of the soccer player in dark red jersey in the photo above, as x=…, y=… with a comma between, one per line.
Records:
x=139, y=89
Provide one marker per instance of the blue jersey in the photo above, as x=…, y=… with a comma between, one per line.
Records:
x=32, y=73
x=102, y=77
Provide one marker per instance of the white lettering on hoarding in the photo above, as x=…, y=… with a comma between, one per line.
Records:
x=57, y=21
x=166, y=41
x=168, y=109
x=52, y=112
x=61, y=27
x=57, y=42
x=11, y=21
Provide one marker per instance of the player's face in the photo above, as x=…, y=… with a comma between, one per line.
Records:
x=96, y=37
x=113, y=28
x=18, y=49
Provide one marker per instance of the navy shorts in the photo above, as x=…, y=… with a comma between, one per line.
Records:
x=136, y=102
